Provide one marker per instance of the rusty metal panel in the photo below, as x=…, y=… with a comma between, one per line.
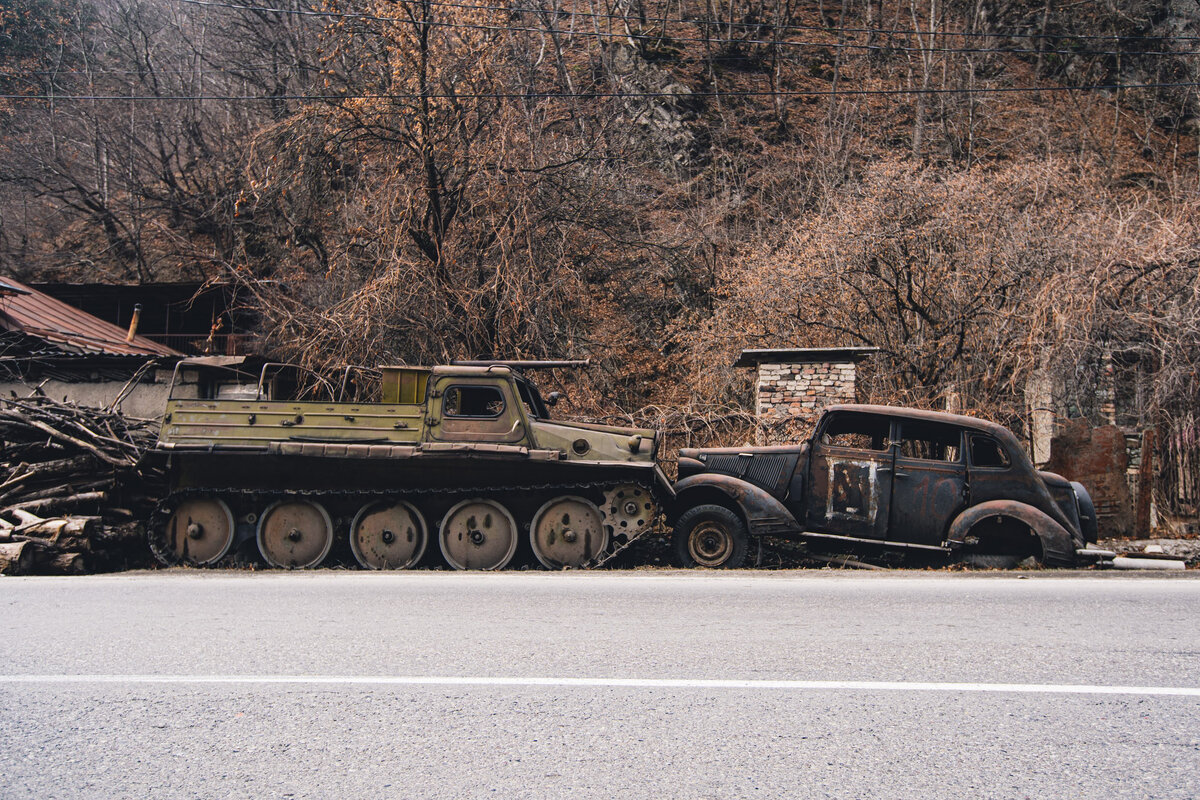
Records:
x=926, y=495
x=404, y=384
x=849, y=492
x=36, y=314
x=226, y=423
x=853, y=490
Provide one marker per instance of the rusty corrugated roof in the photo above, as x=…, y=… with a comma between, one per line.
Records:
x=36, y=314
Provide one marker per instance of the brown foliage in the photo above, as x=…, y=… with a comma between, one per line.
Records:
x=431, y=181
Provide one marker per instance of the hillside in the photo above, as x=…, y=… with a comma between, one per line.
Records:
x=653, y=185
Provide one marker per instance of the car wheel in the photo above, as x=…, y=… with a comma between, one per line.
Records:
x=1001, y=543
x=710, y=536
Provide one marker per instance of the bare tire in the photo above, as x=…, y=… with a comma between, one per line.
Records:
x=295, y=534
x=710, y=536
x=478, y=534
x=200, y=531
x=388, y=535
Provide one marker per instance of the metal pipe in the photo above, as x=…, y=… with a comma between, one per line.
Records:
x=133, y=323
x=522, y=364
x=1125, y=562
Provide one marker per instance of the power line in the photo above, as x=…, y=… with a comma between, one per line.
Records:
x=601, y=95
x=694, y=40
x=171, y=69
x=828, y=29
x=717, y=23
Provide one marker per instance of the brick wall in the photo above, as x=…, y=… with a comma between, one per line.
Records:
x=798, y=392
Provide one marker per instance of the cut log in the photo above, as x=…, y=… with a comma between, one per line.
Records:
x=19, y=474
x=65, y=489
x=16, y=558
x=60, y=528
x=68, y=564
x=123, y=533
x=55, y=503
x=78, y=465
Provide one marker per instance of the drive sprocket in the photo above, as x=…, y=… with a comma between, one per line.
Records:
x=628, y=511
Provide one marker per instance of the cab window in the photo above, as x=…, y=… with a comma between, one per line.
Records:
x=930, y=441
x=473, y=401
x=987, y=452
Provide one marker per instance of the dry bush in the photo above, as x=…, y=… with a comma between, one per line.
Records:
x=442, y=215
x=965, y=281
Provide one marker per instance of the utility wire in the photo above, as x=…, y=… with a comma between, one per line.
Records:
x=833, y=29
x=695, y=40
x=829, y=28
x=717, y=23
x=601, y=95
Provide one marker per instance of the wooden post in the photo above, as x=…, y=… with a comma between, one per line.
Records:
x=1145, y=486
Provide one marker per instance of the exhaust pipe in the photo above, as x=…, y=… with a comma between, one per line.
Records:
x=133, y=323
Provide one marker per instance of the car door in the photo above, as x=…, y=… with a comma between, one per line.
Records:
x=929, y=485
x=850, y=476
x=991, y=470
x=466, y=409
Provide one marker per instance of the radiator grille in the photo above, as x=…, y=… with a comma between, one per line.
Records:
x=765, y=470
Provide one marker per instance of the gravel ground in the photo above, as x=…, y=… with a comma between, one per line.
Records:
x=1187, y=549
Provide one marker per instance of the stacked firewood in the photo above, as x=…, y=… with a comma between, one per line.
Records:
x=72, y=487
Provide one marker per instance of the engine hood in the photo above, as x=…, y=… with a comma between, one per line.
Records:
x=587, y=441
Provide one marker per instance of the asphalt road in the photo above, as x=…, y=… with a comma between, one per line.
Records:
x=632, y=685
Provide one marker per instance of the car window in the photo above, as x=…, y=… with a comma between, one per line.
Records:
x=860, y=431
x=473, y=401
x=987, y=452
x=930, y=441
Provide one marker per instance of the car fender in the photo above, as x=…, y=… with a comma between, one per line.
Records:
x=1058, y=546
x=764, y=515
x=1088, y=522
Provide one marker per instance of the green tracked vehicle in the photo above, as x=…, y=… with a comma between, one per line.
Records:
x=465, y=454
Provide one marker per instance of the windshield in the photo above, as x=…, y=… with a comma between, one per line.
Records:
x=532, y=400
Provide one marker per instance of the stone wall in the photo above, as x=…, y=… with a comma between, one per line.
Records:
x=796, y=393
x=1097, y=458
x=146, y=400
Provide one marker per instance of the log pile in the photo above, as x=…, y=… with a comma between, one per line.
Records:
x=72, y=487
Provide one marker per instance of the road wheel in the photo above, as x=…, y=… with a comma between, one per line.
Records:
x=295, y=534
x=388, y=535
x=200, y=531
x=567, y=532
x=710, y=536
x=478, y=534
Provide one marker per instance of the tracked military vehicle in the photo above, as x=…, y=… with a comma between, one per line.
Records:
x=466, y=455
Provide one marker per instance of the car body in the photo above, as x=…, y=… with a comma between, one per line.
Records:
x=880, y=477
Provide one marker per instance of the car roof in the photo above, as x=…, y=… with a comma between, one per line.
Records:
x=921, y=414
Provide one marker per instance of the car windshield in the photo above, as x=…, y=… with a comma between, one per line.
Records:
x=859, y=431
x=532, y=400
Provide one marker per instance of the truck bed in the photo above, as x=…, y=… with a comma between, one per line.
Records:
x=216, y=424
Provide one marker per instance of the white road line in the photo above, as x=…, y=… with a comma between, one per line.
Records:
x=619, y=683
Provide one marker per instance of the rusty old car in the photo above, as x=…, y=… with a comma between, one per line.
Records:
x=881, y=479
